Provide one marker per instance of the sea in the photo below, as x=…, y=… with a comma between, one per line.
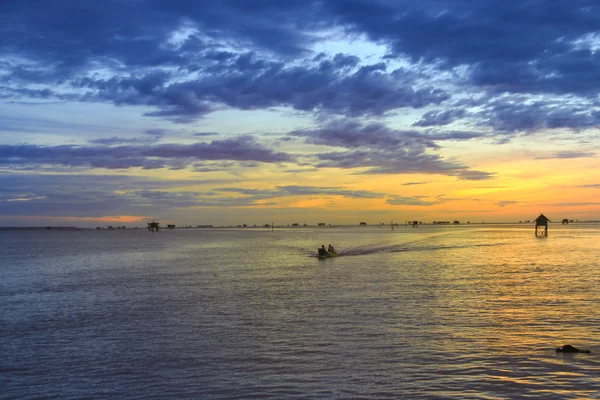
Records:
x=430, y=312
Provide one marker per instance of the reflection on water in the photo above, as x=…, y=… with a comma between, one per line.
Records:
x=431, y=312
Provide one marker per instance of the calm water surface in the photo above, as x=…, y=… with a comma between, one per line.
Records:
x=431, y=312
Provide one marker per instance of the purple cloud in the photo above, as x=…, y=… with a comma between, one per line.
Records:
x=243, y=148
x=377, y=149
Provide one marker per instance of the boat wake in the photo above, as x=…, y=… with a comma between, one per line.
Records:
x=404, y=247
x=428, y=244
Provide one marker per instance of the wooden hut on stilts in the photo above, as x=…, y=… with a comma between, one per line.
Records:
x=541, y=226
x=153, y=226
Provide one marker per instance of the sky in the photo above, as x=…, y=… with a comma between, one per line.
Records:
x=229, y=112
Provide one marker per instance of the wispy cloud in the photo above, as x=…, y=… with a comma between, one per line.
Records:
x=411, y=201
x=569, y=154
x=504, y=203
x=414, y=183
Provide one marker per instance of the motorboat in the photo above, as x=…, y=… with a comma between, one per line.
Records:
x=323, y=253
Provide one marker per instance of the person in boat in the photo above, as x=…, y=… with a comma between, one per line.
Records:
x=331, y=249
x=323, y=247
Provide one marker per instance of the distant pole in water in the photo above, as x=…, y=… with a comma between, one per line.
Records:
x=392, y=224
x=271, y=226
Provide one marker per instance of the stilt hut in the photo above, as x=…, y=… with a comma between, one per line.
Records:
x=541, y=226
x=153, y=226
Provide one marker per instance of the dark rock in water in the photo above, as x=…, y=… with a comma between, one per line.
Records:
x=567, y=348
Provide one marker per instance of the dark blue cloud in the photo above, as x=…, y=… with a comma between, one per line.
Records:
x=377, y=149
x=133, y=58
x=340, y=61
x=175, y=156
x=354, y=135
x=245, y=83
x=435, y=118
x=528, y=64
x=508, y=45
x=514, y=45
x=508, y=116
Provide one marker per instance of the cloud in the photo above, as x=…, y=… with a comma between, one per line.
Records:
x=377, y=149
x=414, y=183
x=453, y=135
x=112, y=141
x=55, y=195
x=436, y=118
x=569, y=154
x=170, y=199
x=156, y=132
x=355, y=135
x=242, y=148
x=203, y=134
x=185, y=62
x=412, y=201
x=35, y=124
x=510, y=115
x=573, y=204
x=536, y=51
x=96, y=195
x=504, y=203
x=472, y=175
x=245, y=83
x=295, y=190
